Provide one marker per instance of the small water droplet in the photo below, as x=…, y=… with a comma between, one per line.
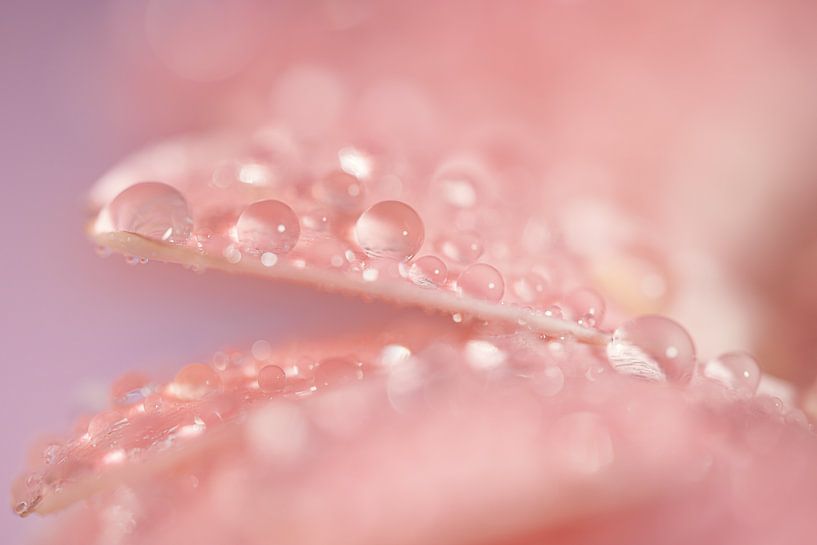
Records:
x=132, y=260
x=340, y=189
x=736, y=370
x=481, y=281
x=232, y=254
x=653, y=347
x=153, y=210
x=554, y=311
x=427, y=271
x=271, y=378
x=194, y=381
x=586, y=306
x=333, y=372
x=390, y=229
x=268, y=226
x=464, y=247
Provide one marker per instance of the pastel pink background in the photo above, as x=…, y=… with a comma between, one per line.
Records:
x=80, y=87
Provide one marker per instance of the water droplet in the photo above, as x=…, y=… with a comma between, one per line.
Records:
x=464, y=247
x=586, y=306
x=481, y=281
x=554, y=311
x=232, y=254
x=194, y=381
x=427, y=271
x=268, y=226
x=153, y=210
x=736, y=370
x=333, y=372
x=653, y=347
x=390, y=229
x=340, y=189
x=271, y=378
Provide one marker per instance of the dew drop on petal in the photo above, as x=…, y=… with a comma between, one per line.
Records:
x=268, y=226
x=427, y=271
x=586, y=306
x=481, y=281
x=341, y=190
x=390, y=229
x=653, y=347
x=736, y=370
x=333, y=372
x=153, y=210
x=194, y=381
x=271, y=378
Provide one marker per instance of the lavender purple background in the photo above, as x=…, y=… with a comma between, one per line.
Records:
x=72, y=321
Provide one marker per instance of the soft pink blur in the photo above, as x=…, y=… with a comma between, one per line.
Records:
x=700, y=116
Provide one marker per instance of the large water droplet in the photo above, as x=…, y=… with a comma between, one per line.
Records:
x=390, y=229
x=427, y=271
x=341, y=190
x=653, y=347
x=153, y=210
x=736, y=370
x=481, y=281
x=268, y=226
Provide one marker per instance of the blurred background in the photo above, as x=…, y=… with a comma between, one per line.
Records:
x=693, y=120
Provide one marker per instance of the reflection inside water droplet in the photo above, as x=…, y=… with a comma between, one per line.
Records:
x=153, y=210
x=481, y=281
x=390, y=229
x=268, y=226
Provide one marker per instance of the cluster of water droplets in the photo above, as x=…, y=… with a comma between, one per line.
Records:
x=332, y=222
x=342, y=219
